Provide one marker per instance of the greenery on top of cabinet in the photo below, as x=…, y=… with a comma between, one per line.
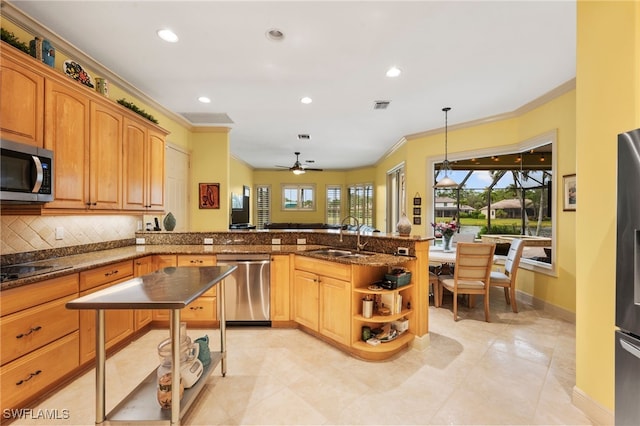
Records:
x=9, y=37
x=133, y=107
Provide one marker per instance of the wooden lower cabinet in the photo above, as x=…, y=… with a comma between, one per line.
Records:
x=335, y=309
x=36, y=328
x=119, y=323
x=33, y=373
x=305, y=299
x=322, y=297
x=280, y=288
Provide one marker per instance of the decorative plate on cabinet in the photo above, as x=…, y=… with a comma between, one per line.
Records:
x=76, y=72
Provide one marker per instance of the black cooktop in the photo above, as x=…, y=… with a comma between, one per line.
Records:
x=15, y=272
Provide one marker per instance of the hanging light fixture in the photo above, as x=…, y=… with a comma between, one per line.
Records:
x=446, y=181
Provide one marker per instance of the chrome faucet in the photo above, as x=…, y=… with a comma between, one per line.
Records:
x=358, y=245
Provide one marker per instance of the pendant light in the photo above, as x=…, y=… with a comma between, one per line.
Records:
x=446, y=181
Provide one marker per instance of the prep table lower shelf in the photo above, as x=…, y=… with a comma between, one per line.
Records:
x=141, y=404
x=169, y=288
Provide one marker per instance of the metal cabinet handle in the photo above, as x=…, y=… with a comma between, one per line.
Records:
x=31, y=375
x=632, y=349
x=196, y=308
x=31, y=330
x=196, y=261
x=108, y=274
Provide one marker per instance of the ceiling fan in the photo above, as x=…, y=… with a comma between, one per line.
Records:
x=298, y=168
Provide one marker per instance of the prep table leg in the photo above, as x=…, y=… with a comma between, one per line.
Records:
x=223, y=328
x=100, y=367
x=175, y=366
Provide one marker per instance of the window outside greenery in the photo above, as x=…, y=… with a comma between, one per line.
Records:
x=361, y=203
x=298, y=197
x=510, y=194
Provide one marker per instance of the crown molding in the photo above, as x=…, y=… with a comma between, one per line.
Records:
x=528, y=107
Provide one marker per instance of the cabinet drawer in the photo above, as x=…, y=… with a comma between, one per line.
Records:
x=202, y=309
x=26, y=376
x=20, y=298
x=340, y=271
x=105, y=274
x=196, y=260
x=33, y=328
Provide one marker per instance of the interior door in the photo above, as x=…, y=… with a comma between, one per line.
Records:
x=177, y=185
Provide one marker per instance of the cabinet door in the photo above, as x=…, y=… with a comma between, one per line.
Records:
x=21, y=102
x=134, y=166
x=280, y=286
x=155, y=176
x=105, y=150
x=67, y=135
x=143, y=167
x=142, y=266
x=335, y=309
x=306, y=299
x=119, y=325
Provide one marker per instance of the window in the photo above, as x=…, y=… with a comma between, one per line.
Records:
x=299, y=197
x=361, y=203
x=334, y=204
x=396, y=197
x=263, y=205
x=507, y=190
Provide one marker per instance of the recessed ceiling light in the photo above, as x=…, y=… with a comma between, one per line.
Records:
x=393, y=72
x=167, y=35
x=204, y=100
x=306, y=100
x=275, y=34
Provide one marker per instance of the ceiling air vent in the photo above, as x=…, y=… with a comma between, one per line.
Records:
x=381, y=104
x=304, y=137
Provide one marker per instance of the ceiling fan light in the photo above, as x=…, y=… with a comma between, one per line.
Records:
x=298, y=171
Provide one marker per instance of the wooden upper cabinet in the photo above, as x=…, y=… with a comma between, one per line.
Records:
x=67, y=135
x=143, y=167
x=105, y=153
x=21, y=100
x=156, y=170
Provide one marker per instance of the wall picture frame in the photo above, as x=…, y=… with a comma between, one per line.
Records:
x=570, y=192
x=209, y=196
x=417, y=220
x=417, y=211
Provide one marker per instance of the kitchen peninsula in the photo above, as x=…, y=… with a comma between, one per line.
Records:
x=329, y=308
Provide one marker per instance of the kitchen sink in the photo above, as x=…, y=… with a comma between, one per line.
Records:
x=339, y=253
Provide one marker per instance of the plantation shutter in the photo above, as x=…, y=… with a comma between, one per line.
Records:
x=263, y=205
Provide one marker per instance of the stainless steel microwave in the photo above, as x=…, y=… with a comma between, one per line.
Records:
x=26, y=173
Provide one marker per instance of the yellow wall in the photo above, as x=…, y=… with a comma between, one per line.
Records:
x=607, y=103
x=210, y=164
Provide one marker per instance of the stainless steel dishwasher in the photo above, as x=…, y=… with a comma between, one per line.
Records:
x=247, y=289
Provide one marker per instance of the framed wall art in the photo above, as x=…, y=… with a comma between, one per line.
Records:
x=209, y=196
x=417, y=211
x=417, y=220
x=570, y=192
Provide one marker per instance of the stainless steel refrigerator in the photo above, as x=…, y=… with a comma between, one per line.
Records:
x=627, y=337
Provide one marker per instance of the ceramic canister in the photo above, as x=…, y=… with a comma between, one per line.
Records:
x=102, y=86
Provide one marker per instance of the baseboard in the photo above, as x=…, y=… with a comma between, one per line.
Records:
x=546, y=306
x=592, y=409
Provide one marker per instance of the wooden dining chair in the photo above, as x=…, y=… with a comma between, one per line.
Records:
x=507, y=278
x=471, y=274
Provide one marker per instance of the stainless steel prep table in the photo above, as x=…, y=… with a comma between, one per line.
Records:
x=170, y=288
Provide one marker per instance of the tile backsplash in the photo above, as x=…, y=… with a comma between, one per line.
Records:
x=31, y=233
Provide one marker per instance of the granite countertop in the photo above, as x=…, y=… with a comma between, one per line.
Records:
x=94, y=259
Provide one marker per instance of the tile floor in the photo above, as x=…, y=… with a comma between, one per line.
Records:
x=517, y=370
